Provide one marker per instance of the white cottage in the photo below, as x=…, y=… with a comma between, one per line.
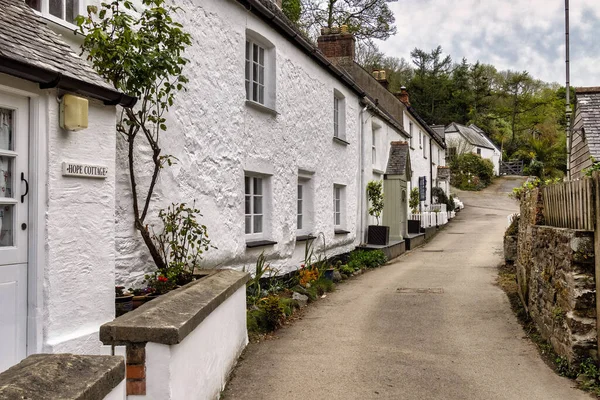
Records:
x=472, y=139
x=57, y=190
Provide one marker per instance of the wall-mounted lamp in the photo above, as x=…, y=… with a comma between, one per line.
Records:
x=73, y=113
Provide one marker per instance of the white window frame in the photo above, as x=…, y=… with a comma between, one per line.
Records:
x=424, y=146
x=339, y=115
x=259, y=72
x=300, y=206
x=420, y=139
x=79, y=9
x=410, y=132
x=374, y=147
x=339, y=192
x=251, y=197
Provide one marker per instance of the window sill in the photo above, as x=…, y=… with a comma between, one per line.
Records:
x=60, y=24
x=261, y=107
x=378, y=171
x=412, y=148
x=341, y=232
x=259, y=243
x=304, y=238
x=340, y=141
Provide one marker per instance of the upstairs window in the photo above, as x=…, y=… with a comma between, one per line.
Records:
x=255, y=72
x=339, y=115
x=338, y=206
x=478, y=151
x=63, y=10
x=374, y=148
x=410, y=132
x=424, y=146
x=260, y=72
x=300, y=215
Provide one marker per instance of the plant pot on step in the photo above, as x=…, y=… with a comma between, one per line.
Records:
x=123, y=304
x=414, y=226
x=139, y=301
x=329, y=273
x=378, y=235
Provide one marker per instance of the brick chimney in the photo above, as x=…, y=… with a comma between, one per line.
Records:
x=337, y=43
x=403, y=96
x=381, y=77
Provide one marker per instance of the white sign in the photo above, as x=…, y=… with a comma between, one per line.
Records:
x=84, y=170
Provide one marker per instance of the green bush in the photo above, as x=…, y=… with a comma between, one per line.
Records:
x=288, y=305
x=323, y=286
x=471, y=172
x=346, y=269
x=360, y=259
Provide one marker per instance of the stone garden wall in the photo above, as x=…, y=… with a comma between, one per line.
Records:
x=562, y=290
x=555, y=273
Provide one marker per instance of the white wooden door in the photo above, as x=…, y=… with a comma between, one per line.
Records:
x=14, y=149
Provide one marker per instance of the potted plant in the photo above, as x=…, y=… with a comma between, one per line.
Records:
x=377, y=234
x=139, y=296
x=123, y=301
x=414, y=225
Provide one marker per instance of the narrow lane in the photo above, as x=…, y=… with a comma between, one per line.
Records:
x=382, y=336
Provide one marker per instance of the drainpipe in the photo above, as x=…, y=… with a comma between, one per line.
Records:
x=362, y=174
x=568, y=87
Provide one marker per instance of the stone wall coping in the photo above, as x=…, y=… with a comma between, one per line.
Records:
x=169, y=318
x=62, y=376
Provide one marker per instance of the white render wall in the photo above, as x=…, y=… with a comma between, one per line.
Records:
x=198, y=367
x=216, y=136
x=384, y=135
x=79, y=276
x=420, y=165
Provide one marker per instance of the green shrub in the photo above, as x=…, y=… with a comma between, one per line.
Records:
x=471, y=172
x=366, y=259
x=272, y=315
x=346, y=269
x=288, y=305
x=414, y=200
x=323, y=286
x=513, y=228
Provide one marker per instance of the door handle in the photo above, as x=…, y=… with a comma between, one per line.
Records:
x=26, y=187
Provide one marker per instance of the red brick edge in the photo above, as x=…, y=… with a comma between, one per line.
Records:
x=136, y=368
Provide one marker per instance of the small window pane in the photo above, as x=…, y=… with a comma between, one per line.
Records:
x=300, y=192
x=258, y=205
x=6, y=129
x=35, y=4
x=255, y=91
x=6, y=178
x=257, y=223
x=6, y=225
x=299, y=206
x=248, y=205
x=337, y=218
x=261, y=75
x=247, y=184
x=258, y=186
x=255, y=52
x=261, y=56
x=248, y=50
x=56, y=8
x=71, y=10
x=299, y=222
x=261, y=94
x=248, y=224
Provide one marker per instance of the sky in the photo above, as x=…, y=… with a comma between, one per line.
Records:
x=510, y=34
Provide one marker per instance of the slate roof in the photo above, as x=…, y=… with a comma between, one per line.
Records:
x=588, y=105
x=398, y=159
x=482, y=133
x=470, y=135
x=25, y=37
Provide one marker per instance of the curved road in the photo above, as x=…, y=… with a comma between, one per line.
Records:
x=368, y=340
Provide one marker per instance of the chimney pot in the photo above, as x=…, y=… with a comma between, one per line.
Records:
x=403, y=96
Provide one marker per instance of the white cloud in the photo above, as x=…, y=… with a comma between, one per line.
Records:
x=511, y=34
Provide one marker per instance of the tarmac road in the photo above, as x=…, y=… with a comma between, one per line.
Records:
x=430, y=325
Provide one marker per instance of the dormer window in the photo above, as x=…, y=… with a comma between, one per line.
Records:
x=57, y=10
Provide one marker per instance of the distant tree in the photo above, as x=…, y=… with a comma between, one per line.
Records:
x=366, y=19
x=430, y=88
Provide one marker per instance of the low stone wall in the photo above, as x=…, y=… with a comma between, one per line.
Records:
x=184, y=344
x=562, y=291
x=65, y=376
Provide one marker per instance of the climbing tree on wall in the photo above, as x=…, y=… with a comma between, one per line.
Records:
x=140, y=53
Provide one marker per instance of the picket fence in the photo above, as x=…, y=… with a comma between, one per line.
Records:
x=569, y=204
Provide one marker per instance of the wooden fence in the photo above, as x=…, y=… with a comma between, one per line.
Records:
x=569, y=204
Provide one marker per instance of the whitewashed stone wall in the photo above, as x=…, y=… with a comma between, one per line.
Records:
x=79, y=276
x=420, y=165
x=374, y=170
x=215, y=136
x=455, y=139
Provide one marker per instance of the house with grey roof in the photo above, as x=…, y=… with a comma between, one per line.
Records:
x=57, y=189
x=462, y=139
x=584, y=146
